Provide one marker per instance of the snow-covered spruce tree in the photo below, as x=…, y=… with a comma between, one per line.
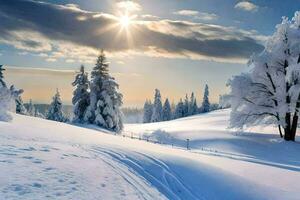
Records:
x=81, y=96
x=205, y=104
x=105, y=100
x=179, y=110
x=186, y=106
x=167, y=112
x=193, y=108
x=270, y=92
x=20, y=108
x=157, y=107
x=148, y=109
x=30, y=108
x=55, y=109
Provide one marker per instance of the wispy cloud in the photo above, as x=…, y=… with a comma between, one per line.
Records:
x=129, y=6
x=26, y=26
x=197, y=15
x=246, y=6
x=50, y=59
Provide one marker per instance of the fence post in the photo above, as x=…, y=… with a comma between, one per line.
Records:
x=131, y=135
x=187, y=144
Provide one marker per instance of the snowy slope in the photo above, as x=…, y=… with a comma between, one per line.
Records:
x=41, y=159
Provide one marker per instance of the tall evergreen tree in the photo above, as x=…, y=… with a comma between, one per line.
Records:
x=81, y=95
x=55, y=109
x=167, y=112
x=148, y=109
x=2, y=82
x=31, y=108
x=193, y=108
x=205, y=104
x=186, y=106
x=157, y=107
x=105, y=100
x=179, y=110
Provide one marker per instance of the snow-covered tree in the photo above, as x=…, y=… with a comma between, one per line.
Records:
x=205, y=104
x=179, y=110
x=7, y=104
x=148, y=109
x=55, y=112
x=2, y=82
x=186, y=106
x=193, y=108
x=167, y=113
x=81, y=97
x=105, y=100
x=30, y=108
x=7, y=99
x=157, y=107
x=224, y=101
x=270, y=92
x=20, y=108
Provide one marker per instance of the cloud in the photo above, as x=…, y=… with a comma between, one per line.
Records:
x=197, y=15
x=246, y=6
x=129, y=6
x=73, y=33
x=187, y=12
x=70, y=60
x=150, y=17
x=51, y=60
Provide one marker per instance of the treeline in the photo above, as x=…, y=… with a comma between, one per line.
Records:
x=158, y=111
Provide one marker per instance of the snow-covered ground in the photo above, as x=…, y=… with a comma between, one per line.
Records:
x=41, y=159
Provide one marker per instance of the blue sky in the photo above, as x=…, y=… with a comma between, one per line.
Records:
x=174, y=45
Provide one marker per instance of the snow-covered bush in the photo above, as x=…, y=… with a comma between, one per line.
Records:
x=270, y=92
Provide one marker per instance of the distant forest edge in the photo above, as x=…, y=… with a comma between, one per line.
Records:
x=131, y=115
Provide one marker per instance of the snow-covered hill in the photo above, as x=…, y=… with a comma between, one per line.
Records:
x=41, y=159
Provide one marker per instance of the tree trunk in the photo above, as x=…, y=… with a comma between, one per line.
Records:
x=294, y=127
x=287, y=128
x=280, y=132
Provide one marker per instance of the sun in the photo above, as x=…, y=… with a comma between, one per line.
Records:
x=125, y=21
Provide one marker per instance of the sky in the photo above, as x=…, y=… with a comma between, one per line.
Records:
x=177, y=46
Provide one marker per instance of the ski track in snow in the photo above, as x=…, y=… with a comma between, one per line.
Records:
x=35, y=175
x=165, y=180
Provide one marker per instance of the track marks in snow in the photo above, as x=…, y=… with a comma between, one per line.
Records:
x=152, y=170
x=46, y=170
